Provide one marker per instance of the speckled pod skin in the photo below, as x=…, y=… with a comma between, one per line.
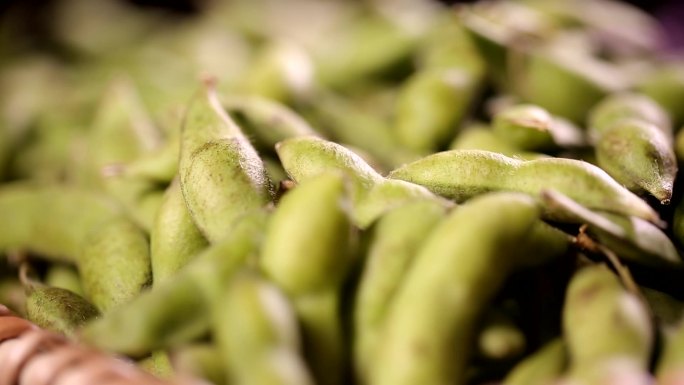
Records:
x=115, y=264
x=153, y=321
x=633, y=143
x=451, y=293
x=608, y=330
x=307, y=254
x=221, y=175
x=639, y=156
x=175, y=239
x=462, y=174
x=58, y=310
x=257, y=334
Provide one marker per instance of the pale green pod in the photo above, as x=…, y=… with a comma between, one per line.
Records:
x=201, y=360
x=483, y=138
x=152, y=321
x=368, y=46
x=670, y=366
x=665, y=85
x=307, y=253
x=306, y=157
x=395, y=239
x=159, y=165
x=281, y=71
x=347, y=121
x=541, y=367
x=221, y=175
x=450, y=294
x=51, y=221
x=462, y=174
x=529, y=127
x=628, y=105
x=58, y=310
x=607, y=329
x=584, y=79
x=115, y=264
x=387, y=195
x=267, y=121
x=639, y=156
x=499, y=338
x=157, y=364
x=630, y=237
x=174, y=239
x=253, y=322
x=64, y=277
x=431, y=105
x=307, y=239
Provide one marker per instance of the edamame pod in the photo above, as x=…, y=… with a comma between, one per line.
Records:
x=153, y=321
x=115, y=263
x=540, y=368
x=462, y=174
x=256, y=332
x=628, y=105
x=157, y=364
x=430, y=106
x=306, y=157
x=200, y=360
x=630, y=237
x=529, y=127
x=307, y=254
x=479, y=137
x=221, y=175
x=65, y=277
x=175, y=239
x=268, y=121
x=58, y=310
x=450, y=292
x=607, y=329
x=395, y=239
x=665, y=85
x=51, y=221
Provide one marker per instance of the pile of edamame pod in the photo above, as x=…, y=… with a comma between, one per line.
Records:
x=374, y=192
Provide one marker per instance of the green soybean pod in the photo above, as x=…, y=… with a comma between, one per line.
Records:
x=387, y=195
x=530, y=127
x=153, y=320
x=307, y=156
x=639, y=156
x=431, y=105
x=665, y=85
x=65, y=277
x=540, y=368
x=257, y=333
x=268, y=121
x=221, y=175
x=607, y=329
x=199, y=360
x=395, y=239
x=159, y=165
x=58, y=310
x=482, y=137
x=175, y=239
x=115, y=263
x=451, y=293
x=462, y=174
x=628, y=105
x=157, y=364
x=52, y=221
x=630, y=237
x=307, y=254
x=670, y=366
